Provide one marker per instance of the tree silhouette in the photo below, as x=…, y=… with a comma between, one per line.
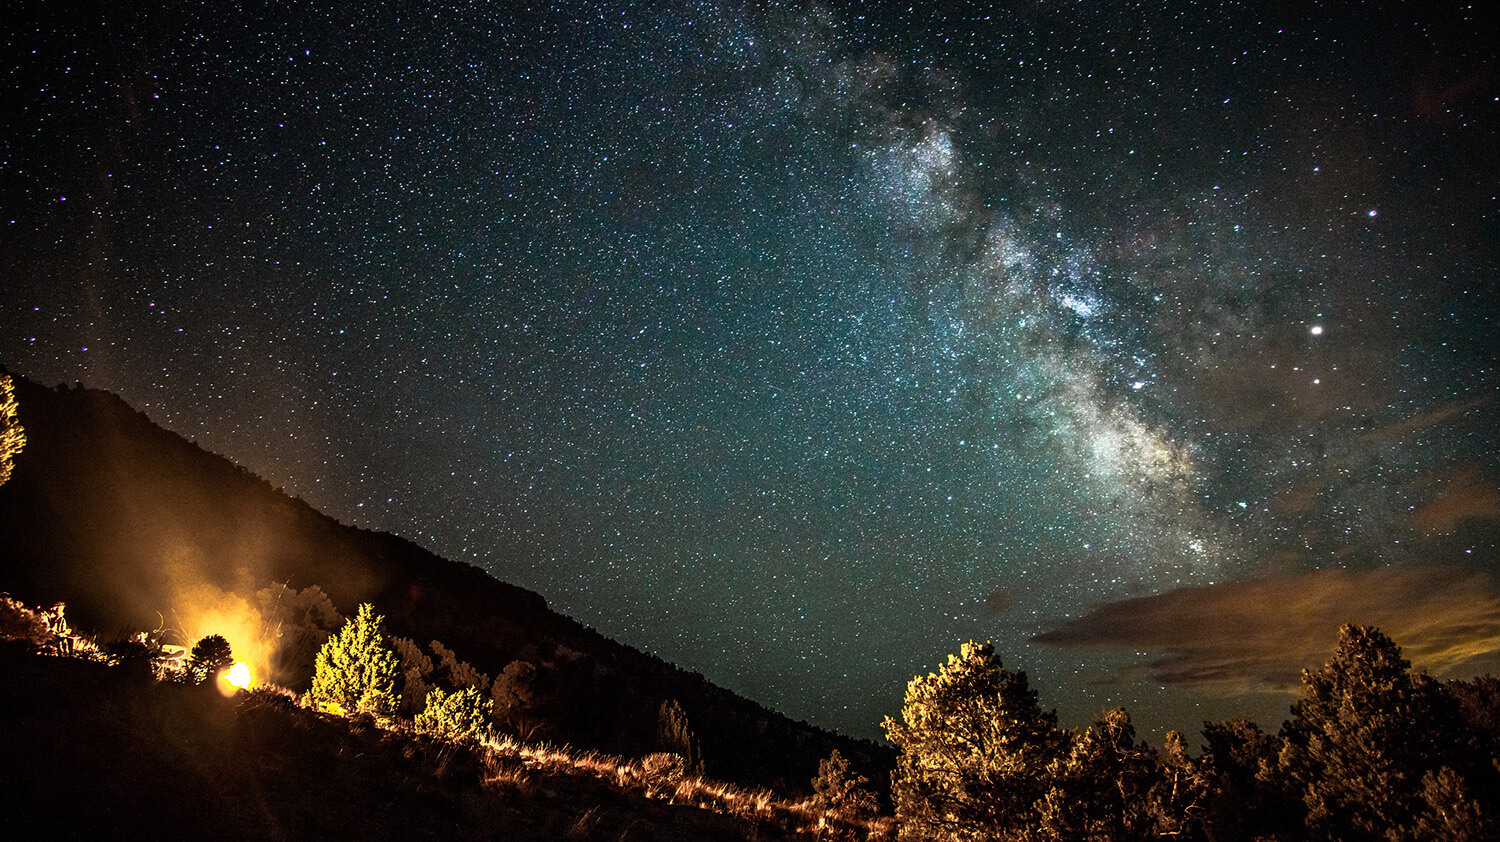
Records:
x=209, y=655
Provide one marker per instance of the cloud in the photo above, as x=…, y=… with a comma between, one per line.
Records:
x=1423, y=420
x=1466, y=494
x=1000, y=601
x=1257, y=636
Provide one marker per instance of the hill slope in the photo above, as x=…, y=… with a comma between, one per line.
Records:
x=136, y=528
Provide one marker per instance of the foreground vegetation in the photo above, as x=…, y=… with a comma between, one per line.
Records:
x=101, y=740
x=1371, y=752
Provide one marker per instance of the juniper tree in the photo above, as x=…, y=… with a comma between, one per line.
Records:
x=458, y=673
x=839, y=788
x=520, y=691
x=12, y=435
x=356, y=670
x=465, y=713
x=209, y=655
x=674, y=735
x=1102, y=788
x=1363, y=738
x=299, y=622
x=416, y=668
x=974, y=749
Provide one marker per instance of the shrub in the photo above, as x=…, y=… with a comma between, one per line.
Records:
x=662, y=772
x=133, y=658
x=674, y=735
x=17, y=622
x=416, y=667
x=464, y=713
x=209, y=655
x=355, y=670
x=838, y=788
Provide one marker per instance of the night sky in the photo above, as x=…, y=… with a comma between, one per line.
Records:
x=797, y=344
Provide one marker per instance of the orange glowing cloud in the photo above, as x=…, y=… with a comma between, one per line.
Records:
x=1257, y=636
x=1465, y=494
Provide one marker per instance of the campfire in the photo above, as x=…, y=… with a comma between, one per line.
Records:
x=239, y=675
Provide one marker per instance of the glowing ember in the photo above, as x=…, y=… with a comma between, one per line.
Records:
x=239, y=675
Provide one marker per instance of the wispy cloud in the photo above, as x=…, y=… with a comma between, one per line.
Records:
x=1257, y=636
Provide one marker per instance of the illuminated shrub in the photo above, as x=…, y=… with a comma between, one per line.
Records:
x=975, y=750
x=356, y=671
x=465, y=713
x=17, y=622
x=675, y=736
x=839, y=788
x=12, y=436
x=662, y=772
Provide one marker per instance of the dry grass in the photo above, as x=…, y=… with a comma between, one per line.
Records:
x=516, y=766
x=526, y=773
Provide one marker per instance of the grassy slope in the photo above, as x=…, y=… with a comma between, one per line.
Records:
x=90, y=754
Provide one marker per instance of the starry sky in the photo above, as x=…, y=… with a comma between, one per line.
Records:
x=798, y=343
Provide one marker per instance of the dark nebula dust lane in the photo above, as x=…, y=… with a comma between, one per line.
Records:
x=799, y=343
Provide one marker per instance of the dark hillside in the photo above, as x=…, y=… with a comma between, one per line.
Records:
x=134, y=527
x=90, y=753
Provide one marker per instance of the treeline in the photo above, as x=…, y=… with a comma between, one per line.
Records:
x=1371, y=752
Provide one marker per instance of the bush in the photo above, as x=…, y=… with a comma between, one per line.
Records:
x=356, y=671
x=662, y=772
x=465, y=713
x=17, y=622
x=133, y=658
x=838, y=788
x=209, y=655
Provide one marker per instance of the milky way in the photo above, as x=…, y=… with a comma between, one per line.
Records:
x=798, y=344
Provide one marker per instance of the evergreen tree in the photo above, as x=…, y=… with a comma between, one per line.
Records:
x=465, y=713
x=1180, y=785
x=12, y=435
x=1246, y=797
x=974, y=747
x=520, y=691
x=355, y=670
x=675, y=736
x=1101, y=789
x=1362, y=739
x=208, y=656
x=416, y=668
x=299, y=622
x=839, y=788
